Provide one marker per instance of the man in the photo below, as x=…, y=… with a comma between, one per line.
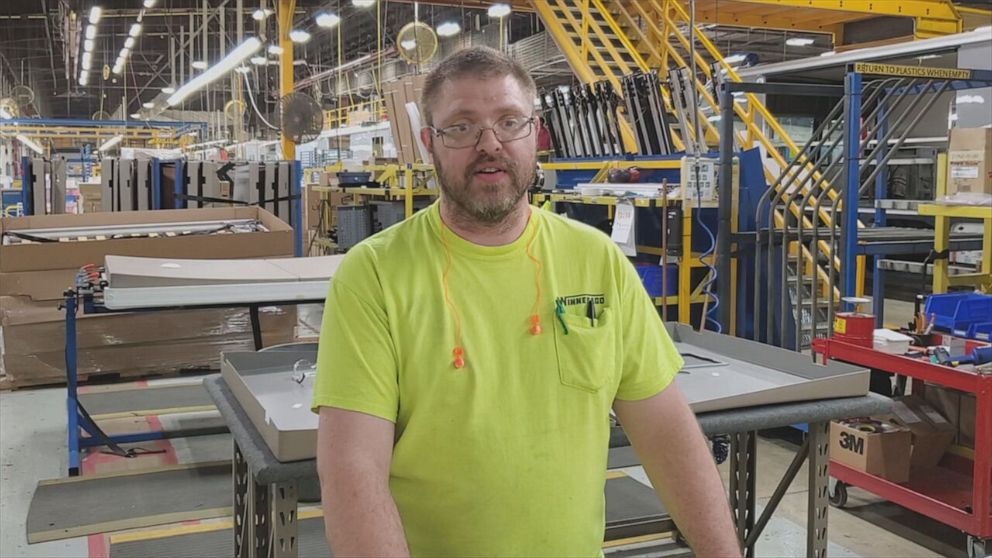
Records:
x=470, y=356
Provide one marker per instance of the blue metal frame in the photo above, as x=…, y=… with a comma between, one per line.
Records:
x=852, y=180
x=878, y=274
x=74, y=122
x=27, y=186
x=298, y=206
x=180, y=202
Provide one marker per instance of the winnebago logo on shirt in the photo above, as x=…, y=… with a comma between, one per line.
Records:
x=572, y=300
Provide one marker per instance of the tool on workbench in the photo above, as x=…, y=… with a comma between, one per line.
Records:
x=978, y=357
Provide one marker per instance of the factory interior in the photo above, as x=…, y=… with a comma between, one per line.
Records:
x=801, y=191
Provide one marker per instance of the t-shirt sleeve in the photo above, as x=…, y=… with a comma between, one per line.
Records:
x=650, y=358
x=356, y=364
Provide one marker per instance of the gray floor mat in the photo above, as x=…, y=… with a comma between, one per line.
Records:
x=145, y=399
x=626, y=499
x=86, y=505
x=622, y=457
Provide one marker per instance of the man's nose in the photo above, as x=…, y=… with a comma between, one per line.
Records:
x=488, y=142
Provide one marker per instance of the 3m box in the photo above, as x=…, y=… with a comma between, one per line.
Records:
x=969, y=157
x=877, y=448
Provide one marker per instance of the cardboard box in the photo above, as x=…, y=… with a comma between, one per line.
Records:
x=931, y=432
x=129, y=344
x=945, y=400
x=969, y=157
x=92, y=195
x=276, y=241
x=397, y=94
x=884, y=453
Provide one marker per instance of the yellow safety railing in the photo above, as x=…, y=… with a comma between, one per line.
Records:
x=341, y=116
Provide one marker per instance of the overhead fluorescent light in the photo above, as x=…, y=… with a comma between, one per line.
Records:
x=242, y=69
x=734, y=59
x=928, y=57
x=299, y=62
x=129, y=42
x=84, y=77
x=448, y=29
x=90, y=31
x=199, y=64
x=135, y=30
x=499, y=10
x=34, y=146
x=327, y=20
x=260, y=14
x=828, y=53
x=87, y=60
x=222, y=67
x=971, y=99
x=135, y=115
x=118, y=67
x=150, y=3
x=125, y=52
x=168, y=90
x=259, y=60
x=275, y=49
x=299, y=36
x=363, y=3
x=408, y=44
x=96, y=12
x=148, y=105
x=799, y=41
x=88, y=45
x=111, y=142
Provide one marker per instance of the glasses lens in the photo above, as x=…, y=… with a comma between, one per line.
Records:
x=506, y=129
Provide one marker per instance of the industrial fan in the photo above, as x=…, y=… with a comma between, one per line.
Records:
x=22, y=95
x=416, y=42
x=302, y=119
x=100, y=115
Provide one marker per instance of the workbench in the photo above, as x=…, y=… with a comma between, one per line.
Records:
x=265, y=489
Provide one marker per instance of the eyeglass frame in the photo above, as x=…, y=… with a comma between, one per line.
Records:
x=439, y=132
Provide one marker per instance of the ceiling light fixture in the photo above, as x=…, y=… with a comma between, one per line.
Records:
x=129, y=42
x=299, y=36
x=168, y=90
x=199, y=64
x=499, y=10
x=148, y=105
x=327, y=20
x=260, y=14
x=135, y=30
x=84, y=78
x=242, y=69
x=799, y=41
x=275, y=49
x=88, y=45
x=87, y=60
x=90, y=31
x=96, y=12
x=259, y=60
x=448, y=29
x=34, y=146
x=363, y=3
x=150, y=3
x=408, y=44
x=111, y=142
x=223, y=66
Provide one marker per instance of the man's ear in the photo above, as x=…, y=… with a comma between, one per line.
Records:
x=428, y=138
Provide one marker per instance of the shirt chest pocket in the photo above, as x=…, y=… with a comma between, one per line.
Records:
x=586, y=350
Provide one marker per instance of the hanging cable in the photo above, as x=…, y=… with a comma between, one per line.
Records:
x=251, y=97
x=712, y=275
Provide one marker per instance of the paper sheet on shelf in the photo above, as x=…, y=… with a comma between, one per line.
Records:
x=623, y=228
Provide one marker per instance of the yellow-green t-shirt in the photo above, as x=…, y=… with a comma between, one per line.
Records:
x=506, y=456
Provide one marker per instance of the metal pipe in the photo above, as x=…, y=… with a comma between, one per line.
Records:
x=724, y=206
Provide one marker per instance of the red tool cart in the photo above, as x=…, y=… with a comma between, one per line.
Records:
x=958, y=492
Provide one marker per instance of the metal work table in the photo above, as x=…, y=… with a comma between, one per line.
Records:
x=265, y=489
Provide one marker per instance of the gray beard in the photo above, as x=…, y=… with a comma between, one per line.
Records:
x=484, y=210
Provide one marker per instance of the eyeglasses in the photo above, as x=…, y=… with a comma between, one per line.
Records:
x=506, y=129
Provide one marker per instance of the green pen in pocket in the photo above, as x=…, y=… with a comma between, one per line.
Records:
x=560, y=313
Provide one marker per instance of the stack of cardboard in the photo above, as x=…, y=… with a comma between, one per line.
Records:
x=397, y=94
x=92, y=194
x=958, y=407
x=931, y=432
x=33, y=277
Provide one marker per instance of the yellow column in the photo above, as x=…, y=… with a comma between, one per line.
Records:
x=942, y=230
x=408, y=187
x=685, y=266
x=286, y=9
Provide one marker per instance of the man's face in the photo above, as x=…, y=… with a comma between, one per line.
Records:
x=484, y=181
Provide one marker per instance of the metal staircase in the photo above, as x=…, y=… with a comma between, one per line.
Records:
x=604, y=39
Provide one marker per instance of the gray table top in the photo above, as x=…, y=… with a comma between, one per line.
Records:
x=268, y=469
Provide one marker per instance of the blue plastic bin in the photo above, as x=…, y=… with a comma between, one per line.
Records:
x=651, y=277
x=956, y=312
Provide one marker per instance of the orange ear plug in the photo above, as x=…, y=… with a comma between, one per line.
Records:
x=535, y=324
x=459, y=357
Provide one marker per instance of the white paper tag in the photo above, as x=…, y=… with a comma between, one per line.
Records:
x=623, y=228
x=964, y=171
